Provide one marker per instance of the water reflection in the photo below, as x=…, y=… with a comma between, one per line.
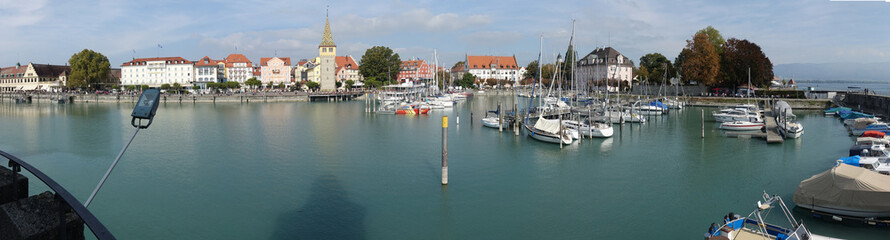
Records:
x=327, y=214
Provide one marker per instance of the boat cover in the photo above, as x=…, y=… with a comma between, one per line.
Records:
x=852, y=161
x=874, y=134
x=838, y=109
x=547, y=125
x=658, y=104
x=872, y=141
x=846, y=186
x=853, y=115
x=861, y=123
x=783, y=107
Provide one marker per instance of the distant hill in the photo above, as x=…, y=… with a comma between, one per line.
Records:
x=834, y=71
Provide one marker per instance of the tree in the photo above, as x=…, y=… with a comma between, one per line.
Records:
x=195, y=87
x=381, y=63
x=657, y=67
x=491, y=82
x=531, y=70
x=714, y=38
x=232, y=85
x=678, y=64
x=738, y=56
x=349, y=83
x=253, y=82
x=88, y=68
x=165, y=86
x=702, y=63
x=338, y=84
x=131, y=88
x=312, y=85
x=643, y=72
x=281, y=85
x=177, y=87
x=467, y=81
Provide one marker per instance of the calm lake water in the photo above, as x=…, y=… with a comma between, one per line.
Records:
x=331, y=171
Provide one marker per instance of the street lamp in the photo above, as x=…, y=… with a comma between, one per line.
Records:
x=145, y=109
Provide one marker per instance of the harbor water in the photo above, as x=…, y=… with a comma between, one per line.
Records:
x=333, y=171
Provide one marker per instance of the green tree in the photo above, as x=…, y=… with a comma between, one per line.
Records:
x=131, y=88
x=231, y=84
x=177, y=87
x=253, y=82
x=714, y=38
x=702, y=63
x=88, y=68
x=381, y=63
x=143, y=87
x=312, y=85
x=467, y=81
x=281, y=85
x=349, y=84
x=195, y=87
x=165, y=86
x=643, y=72
x=678, y=65
x=565, y=71
x=338, y=84
x=657, y=67
x=531, y=70
x=738, y=56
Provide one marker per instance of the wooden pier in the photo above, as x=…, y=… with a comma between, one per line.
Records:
x=772, y=133
x=333, y=96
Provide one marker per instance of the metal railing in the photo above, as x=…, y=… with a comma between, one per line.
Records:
x=91, y=221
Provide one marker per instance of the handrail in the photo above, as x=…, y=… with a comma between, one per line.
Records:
x=88, y=218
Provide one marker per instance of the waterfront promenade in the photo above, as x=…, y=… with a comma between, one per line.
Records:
x=185, y=98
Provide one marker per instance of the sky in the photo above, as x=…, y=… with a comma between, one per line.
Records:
x=789, y=31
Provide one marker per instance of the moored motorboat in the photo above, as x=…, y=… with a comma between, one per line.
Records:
x=741, y=126
x=753, y=226
x=847, y=191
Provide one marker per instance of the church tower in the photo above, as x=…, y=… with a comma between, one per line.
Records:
x=327, y=53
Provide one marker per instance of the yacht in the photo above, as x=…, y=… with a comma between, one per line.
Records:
x=590, y=128
x=736, y=114
x=753, y=226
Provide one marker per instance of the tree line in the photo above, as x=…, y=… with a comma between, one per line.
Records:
x=710, y=60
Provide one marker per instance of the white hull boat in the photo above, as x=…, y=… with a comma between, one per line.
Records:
x=548, y=130
x=492, y=122
x=599, y=130
x=741, y=126
x=790, y=129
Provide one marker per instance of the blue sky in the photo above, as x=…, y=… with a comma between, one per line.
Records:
x=794, y=31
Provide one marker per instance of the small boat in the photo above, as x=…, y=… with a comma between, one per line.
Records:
x=741, y=126
x=790, y=129
x=549, y=130
x=833, y=111
x=736, y=114
x=409, y=109
x=876, y=127
x=753, y=226
x=874, y=134
x=491, y=120
x=846, y=191
x=590, y=128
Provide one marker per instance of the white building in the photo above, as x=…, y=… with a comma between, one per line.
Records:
x=238, y=68
x=604, y=64
x=502, y=68
x=157, y=71
x=209, y=71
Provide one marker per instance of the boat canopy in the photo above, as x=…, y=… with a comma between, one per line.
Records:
x=845, y=186
x=547, y=125
x=852, y=161
x=838, y=109
x=658, y=104
x=783, y=107
x=853, y=115
x=874, y=134
x=861, y=123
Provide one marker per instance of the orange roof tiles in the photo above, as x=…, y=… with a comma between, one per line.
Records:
x=169, y=60
x=485, y=62
x=286, y=60
x=206, y=61
x=236, y=58
x=347, y=62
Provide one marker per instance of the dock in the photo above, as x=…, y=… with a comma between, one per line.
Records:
x=772, y=133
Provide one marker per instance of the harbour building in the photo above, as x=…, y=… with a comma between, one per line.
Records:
x=155, y=72
x=604, y=64
x=327, y=52
x=33, y=77
x=276, y=70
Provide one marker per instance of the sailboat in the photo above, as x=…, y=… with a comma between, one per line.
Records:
x=546, y=130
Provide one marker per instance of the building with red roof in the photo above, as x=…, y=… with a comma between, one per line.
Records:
x=347, y=69
x=504, y=69
x=155, y=72
x=33, y=77
x=208, y=70
x=238, y=68
x=415, y=70
x=276, y=70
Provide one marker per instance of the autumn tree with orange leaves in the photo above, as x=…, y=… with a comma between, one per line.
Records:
x=702, y=64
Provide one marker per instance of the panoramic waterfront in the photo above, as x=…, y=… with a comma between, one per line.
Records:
x=330, y=170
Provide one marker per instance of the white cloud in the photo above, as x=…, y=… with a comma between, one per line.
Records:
x=15, y=13
x=490, y=38
x=414, y=20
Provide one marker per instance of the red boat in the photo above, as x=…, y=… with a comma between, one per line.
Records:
x=874, y=134
x=412, y=109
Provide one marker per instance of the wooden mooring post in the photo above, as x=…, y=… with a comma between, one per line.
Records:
x=444, y=150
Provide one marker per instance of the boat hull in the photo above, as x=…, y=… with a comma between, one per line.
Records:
x=492, y=122
x=550, y=138
x=732, y=126
x=851, y=212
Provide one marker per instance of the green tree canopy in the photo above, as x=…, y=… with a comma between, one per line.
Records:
x=467, y=81
x=312, y=85
x=657, y=67
x=546, y=71
x=177, y=87
x=381, y=63
x=678, y=64
x=253, y=82
x=738, y=56
x=165, y=86
x=87, y=69
x=349, y=83
x=714, y=38
x=702, y=64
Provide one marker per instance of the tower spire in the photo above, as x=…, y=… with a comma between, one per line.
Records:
x=327, y=39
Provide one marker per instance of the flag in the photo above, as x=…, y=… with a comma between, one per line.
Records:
x=159, y=46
